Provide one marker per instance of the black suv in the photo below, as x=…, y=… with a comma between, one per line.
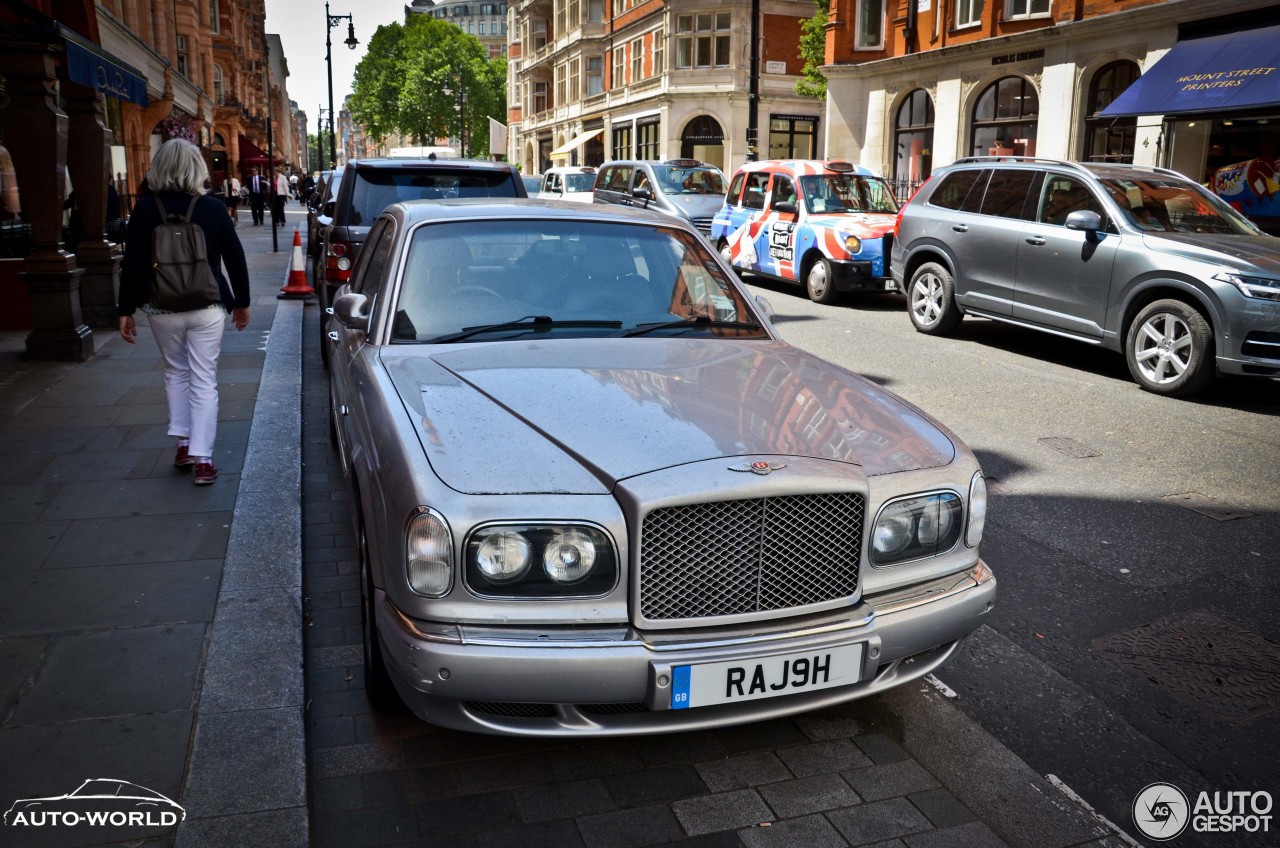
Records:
x=367, y=186
x=1139, y=260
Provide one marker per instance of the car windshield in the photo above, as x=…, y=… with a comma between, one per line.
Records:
x=698, y=180
x=574, y=183
x=827, y=193
x=1167, y=204
x=377, y=188
x=563, y=278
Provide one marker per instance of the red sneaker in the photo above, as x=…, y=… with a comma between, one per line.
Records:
x=206, y=473
x=182, y=459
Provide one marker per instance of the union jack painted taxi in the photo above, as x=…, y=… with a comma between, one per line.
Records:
x=826, y=224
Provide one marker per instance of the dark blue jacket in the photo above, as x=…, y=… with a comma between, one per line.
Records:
x=222, y=244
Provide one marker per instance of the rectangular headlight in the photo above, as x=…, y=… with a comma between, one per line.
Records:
x=916, y=527
x=1259, y=287
x=540, y=560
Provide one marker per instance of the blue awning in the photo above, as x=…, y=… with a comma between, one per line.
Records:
x=89, y=65
x=1221, y=73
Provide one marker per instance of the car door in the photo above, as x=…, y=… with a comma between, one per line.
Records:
x=985, y=245
x=1064, y=276
x=776, y=242
x=745, y=241
x=350, y=348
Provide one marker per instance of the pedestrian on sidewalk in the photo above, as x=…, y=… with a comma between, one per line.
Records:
x=231, y=193
x=189, y=341
x=257, y=195
x=280, y=192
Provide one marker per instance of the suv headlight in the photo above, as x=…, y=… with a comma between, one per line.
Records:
x=429, y=555
x=916, y=527
x=1260, y=287
x=540, y=560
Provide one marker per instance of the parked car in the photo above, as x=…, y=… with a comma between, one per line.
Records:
x=595, y=493
x=365, y=186
x=532, y=184
x=820, y=223
x=573, y=184
x=685, y=188
x=1140, y=260
x=320, y=216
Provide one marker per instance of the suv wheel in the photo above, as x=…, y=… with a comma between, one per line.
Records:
x=819, y=281
x=931, y=300
x=1169, y=348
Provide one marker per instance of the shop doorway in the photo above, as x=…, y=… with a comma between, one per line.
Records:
x=703, y=139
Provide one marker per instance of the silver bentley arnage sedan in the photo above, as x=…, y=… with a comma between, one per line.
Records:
x=596, y=494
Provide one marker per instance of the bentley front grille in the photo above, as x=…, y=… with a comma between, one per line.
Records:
x=736, y=557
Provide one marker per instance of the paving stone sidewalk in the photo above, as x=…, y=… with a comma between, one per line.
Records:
x=116, y=580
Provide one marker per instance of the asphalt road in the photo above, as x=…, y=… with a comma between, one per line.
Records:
x=1135, y=640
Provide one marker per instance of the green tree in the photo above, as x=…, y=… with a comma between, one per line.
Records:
x=813, y=49
x=427, y=79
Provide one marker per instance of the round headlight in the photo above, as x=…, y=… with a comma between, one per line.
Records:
x=893, y=530
x=569, y=557
x=503, y=556
x=429, y=555
x=935, y=523
x=977, y=510
x=853, y=244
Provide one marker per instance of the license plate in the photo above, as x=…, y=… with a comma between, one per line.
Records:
x=732, y=681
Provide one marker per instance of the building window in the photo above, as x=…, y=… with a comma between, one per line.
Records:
x=1007, y=112
x=483, y=27
x=595, y=11
x=870, y=28
x=575, y=79
x=622, y=142
x=539, y=38
x=572, y=14
x=659, y=52
x=913, y=143
x=215, y=16
x=702, y=41
x=968, y=12
x=648, y=145
x=1026, y=9
x=619, y=67
x=792, y=136
x=540, y=97
x=637, y=60
x=561, y=99
x=560, y=22
x=595, y=75
x=1110, y=139
x=218, y=93
x=182, y=56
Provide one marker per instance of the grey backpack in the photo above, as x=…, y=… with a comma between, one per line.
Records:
x=181, y=277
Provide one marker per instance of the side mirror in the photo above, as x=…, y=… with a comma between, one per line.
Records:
x=1085, y=220
x=765, y=306
x=785, y=206
x=352, y=311
x=641, y=193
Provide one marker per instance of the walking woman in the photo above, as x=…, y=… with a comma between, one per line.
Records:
x=188, y=341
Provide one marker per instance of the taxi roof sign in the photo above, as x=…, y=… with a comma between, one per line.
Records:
x=840, y=166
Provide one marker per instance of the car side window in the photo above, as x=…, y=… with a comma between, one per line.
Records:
x=753, y=197
x=1006, y=194
x=367, y=277
x=642, y=180
x=621, y=179
x=734, y=197
x=1062, y=195
x=957, y=186
x=783, y=191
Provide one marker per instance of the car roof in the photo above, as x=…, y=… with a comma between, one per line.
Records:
x=1112, y=170
x=416, y=211
x=448, y=162
x=808, y=166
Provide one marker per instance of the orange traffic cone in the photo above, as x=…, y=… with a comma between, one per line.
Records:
x=297, y=285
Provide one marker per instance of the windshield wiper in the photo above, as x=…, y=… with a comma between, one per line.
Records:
x=700, y=323
x=529, y=322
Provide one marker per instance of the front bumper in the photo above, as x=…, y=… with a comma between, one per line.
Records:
x=860, y=275
x=617, y=681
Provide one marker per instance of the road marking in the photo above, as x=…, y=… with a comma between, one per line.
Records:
x=1106, y=822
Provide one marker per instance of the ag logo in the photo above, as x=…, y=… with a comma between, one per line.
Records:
x=1161, y=811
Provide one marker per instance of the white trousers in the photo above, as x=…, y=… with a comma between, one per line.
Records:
x=190, y=343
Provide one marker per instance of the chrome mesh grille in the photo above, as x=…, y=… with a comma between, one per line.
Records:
x=734, y=557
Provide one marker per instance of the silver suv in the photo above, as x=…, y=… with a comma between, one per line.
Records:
x=1139, y=260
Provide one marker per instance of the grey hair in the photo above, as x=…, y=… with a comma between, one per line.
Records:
x=178, y=166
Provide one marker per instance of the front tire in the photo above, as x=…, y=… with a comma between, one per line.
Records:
x=819, y=281
x=1169, y=349
x=931, y=300
x=378, y=687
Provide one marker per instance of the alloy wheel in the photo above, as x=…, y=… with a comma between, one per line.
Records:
x=1163, y=347
x=926, y=299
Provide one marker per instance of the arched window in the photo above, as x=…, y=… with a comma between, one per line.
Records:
x=218, y=140
x=913, y=143
x=1007, y=111
x=217, y=85
x=703, y=139
x=1110, y=139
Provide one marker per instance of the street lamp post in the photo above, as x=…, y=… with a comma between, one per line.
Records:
x=332, y=21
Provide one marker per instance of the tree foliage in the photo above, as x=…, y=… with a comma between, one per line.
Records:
x=813, y=49
x=410, y=78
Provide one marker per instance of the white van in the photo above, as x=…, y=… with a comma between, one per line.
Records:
x=574, y=184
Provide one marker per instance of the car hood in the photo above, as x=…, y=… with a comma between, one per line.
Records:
x=1245, y=253
x=696, y=205
x=864, y=225
x=578, y=415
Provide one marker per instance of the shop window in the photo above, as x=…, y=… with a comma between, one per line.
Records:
x=913, y=143
x=869, y=33
x=1110, y=139
x=622, y=142
x=703, y=139
x=647, y=141
x=702, y=40
x=968, y=13
x=792, y=137
x=1005, y=118
x=1025, y=9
